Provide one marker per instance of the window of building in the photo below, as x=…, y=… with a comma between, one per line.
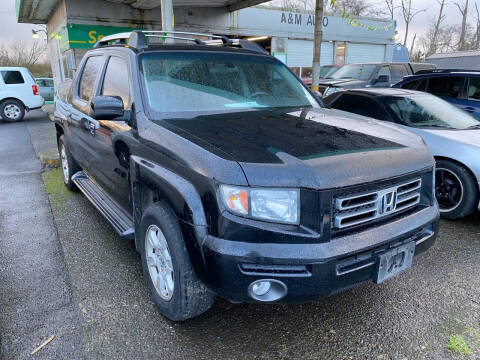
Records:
x=116, y=81
x=340, y=53
x=446, y=86
x=12, y=77
x=474, y=89
x=89, y=77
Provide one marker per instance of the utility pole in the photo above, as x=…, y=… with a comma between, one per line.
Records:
x=317, y=43
x=167, y=16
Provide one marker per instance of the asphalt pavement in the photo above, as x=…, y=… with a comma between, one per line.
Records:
x=91, y=292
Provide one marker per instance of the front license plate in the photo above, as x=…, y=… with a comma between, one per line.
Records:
x=394, y=262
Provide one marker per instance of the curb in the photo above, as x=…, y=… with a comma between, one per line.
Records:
x=50, y=158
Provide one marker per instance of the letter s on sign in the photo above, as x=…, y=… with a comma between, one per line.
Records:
x=92, y=37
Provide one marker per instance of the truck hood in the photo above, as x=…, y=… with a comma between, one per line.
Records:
x=343, y=83
x=309, y=148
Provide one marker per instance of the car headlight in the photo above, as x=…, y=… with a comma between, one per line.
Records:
x=274, y=205
x=332, y=90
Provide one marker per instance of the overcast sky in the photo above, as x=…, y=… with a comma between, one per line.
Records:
x=11, y=31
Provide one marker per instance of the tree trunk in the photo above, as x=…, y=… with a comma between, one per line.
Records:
x=317, y=44
x=464, y=12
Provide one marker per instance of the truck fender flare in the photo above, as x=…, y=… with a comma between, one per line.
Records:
x=149, y=177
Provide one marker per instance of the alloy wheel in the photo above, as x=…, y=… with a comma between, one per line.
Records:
x=64, y=161
x=159, y=262
x=448, y=189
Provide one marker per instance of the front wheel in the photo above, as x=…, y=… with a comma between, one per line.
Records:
x=176, y=290
x=455, y=189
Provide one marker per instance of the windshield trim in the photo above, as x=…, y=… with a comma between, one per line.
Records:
x=151, y=114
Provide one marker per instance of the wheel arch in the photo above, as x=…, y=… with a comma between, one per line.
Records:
x=446, y=158
x=152, y=183
x=60, y=132
x=13, y=98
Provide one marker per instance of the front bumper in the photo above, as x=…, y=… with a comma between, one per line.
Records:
x=311, y=271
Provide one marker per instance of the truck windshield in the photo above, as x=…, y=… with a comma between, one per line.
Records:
x=355, y=71
x=429, y=111
x=188, y=84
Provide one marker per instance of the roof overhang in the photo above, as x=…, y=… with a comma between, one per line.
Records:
x=39, y=11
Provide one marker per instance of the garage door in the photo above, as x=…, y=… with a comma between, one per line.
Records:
x=300, y=53
x=360, y=53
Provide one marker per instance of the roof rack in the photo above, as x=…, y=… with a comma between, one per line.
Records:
x=443, y=71
x=137, y=39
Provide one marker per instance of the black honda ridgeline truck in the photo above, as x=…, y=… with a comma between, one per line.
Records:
x=234, y=181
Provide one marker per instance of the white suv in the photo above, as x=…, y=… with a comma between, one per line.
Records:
x=18, y=93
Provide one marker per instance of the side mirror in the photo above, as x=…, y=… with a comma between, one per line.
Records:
x=106, y=107
x=382, y=79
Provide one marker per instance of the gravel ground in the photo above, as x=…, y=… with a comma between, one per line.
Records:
x=412, y=316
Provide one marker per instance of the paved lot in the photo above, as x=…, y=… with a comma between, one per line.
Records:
x=109, y=314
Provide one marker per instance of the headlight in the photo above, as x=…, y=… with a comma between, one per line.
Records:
x=275, y=205
x=332, y=90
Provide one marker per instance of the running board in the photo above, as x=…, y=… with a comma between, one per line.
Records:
x=120, y=220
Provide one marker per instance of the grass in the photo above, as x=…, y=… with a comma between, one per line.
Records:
x=457, y=344
x=53, y=180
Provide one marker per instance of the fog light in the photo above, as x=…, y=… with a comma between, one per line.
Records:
x=267, y=290
x=261, y=288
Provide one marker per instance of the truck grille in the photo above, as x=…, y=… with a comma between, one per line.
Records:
x=362, y=208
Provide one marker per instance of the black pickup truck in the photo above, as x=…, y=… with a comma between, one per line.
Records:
x=355, y=76
x=231, y=178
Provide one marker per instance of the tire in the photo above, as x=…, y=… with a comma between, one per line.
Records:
x=188, y=297
x=12, y=110
x=68, y=164
x=455, y=189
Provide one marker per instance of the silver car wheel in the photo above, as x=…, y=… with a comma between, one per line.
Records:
x=65, y=167
x=448, y=190
x=159, y=262
x=12, y=111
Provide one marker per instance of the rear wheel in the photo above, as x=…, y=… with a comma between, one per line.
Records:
x=12, y=110
x=455, y=189
x=68, y=164
x=176, y=290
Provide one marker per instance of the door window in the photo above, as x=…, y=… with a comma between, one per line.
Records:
x=116, y=80
x=89, y=76
x=398, y=72
x=385, y=70
x=360, y=105
x=410, y=85
x=474, y=89
x=12, y=77
x=446, y=86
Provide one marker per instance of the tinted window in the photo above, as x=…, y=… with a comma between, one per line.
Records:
x=12, y=77
x=360, y=105
x=354, y=71
x=422, y=86
x=410, y=85
x=446, y=86
x=116, y=80
x=89, y=75
x=474, y=89
x=399, y=72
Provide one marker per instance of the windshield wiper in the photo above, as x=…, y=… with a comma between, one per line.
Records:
x=473, y=127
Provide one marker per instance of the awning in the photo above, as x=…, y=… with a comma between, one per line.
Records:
x=39, y=11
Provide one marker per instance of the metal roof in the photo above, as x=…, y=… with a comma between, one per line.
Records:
x=456, y=54
x=39, y=11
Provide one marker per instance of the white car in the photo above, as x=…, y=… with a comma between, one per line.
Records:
x=18, y=93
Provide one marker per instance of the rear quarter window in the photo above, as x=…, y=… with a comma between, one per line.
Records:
x=446, y=86
x=12, y=77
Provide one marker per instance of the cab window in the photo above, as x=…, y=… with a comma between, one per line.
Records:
x=446, y=86
x=91, y=69
x=116, y=81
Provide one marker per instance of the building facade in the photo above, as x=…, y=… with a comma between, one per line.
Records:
x=74, y=26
